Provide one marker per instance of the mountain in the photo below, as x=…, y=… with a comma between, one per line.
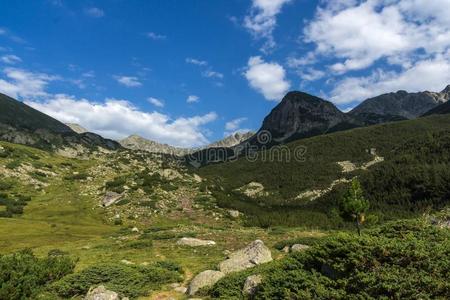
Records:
x=400, y=105
x=403, y=166
x=136, y=142
x=22, y=124
x=232, y=140
x=77, y=128
x=301, y=115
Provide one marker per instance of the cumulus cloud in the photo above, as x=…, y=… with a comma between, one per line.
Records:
x=25, y=84
x=267, y=78
x=262, y=21
x=192, y=99
x=359, y=33
x=431, y=74
x=155, y=36
x=10, y=59
x=94, y=12
x=156, y=102
x=128, y=81
x=119, y=118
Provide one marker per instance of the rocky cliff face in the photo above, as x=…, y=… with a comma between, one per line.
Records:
x=302, y=115
x=401, y=104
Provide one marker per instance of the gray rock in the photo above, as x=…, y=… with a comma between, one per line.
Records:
x=254, y=254
x=101, y=293
x=192, y=242
x=111, y=198
x=299, y=247
x=204, y=279
x=251, y=284
x=234, y=213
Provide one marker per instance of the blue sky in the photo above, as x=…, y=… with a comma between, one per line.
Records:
x=189, y=72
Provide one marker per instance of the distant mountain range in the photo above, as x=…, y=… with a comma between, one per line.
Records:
x=136, y=142
x=298, y=115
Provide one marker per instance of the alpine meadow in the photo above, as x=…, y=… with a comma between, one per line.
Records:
x=228, y=149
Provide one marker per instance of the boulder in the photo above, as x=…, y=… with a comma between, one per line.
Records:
x=111, y=198
x=204, y=279
x=255, y=253
x=234, y=213
x=299, y=247
x=101, y=293
x=251, y=284
x=192, y=242
x=180, y=289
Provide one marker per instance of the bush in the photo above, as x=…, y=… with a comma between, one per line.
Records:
x=23, y=276
x=140, y=244
x=127, y=280
x=401, y=260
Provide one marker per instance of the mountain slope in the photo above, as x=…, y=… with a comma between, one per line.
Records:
x=77, y=128
x=401, y=104
x=22, y=124
x=296, y=184
x=232, y=140
x=439, y=110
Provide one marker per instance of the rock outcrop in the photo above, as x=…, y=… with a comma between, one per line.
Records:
x=204, y=279
x=101, y=293
x=299, y=247
x=254, y=254
x=251, y=284
x=192, y=242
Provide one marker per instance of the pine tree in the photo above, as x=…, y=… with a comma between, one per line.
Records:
x=354, y=205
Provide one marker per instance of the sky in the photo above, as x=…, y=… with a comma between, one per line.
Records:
x=190, y=72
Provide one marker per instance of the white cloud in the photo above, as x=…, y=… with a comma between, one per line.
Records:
x=311, y=74
x=25, y=84
x=267, y=78
x=156, y=102
x=359, y=33
x=212, y=74
x=192, y=99
x=128, y=81
x=10, y=59
x=234, y=125
x=195, y=61
x=119, y=118
x=88, y=74
x=431, y=74
x=262, y=20
x=155, y=36
x=94, y=12
x=208, y=71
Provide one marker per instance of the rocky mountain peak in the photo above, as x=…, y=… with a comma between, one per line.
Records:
x=300, y=115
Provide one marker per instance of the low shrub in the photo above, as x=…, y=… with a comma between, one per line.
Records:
x=127, y=280
x=23, y=276
x=400, y=260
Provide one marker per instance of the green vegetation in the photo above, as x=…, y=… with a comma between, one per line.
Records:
x=414, y=176
x=401, y=260
x=353, y=205
x=23, y=275
x=127, y=280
